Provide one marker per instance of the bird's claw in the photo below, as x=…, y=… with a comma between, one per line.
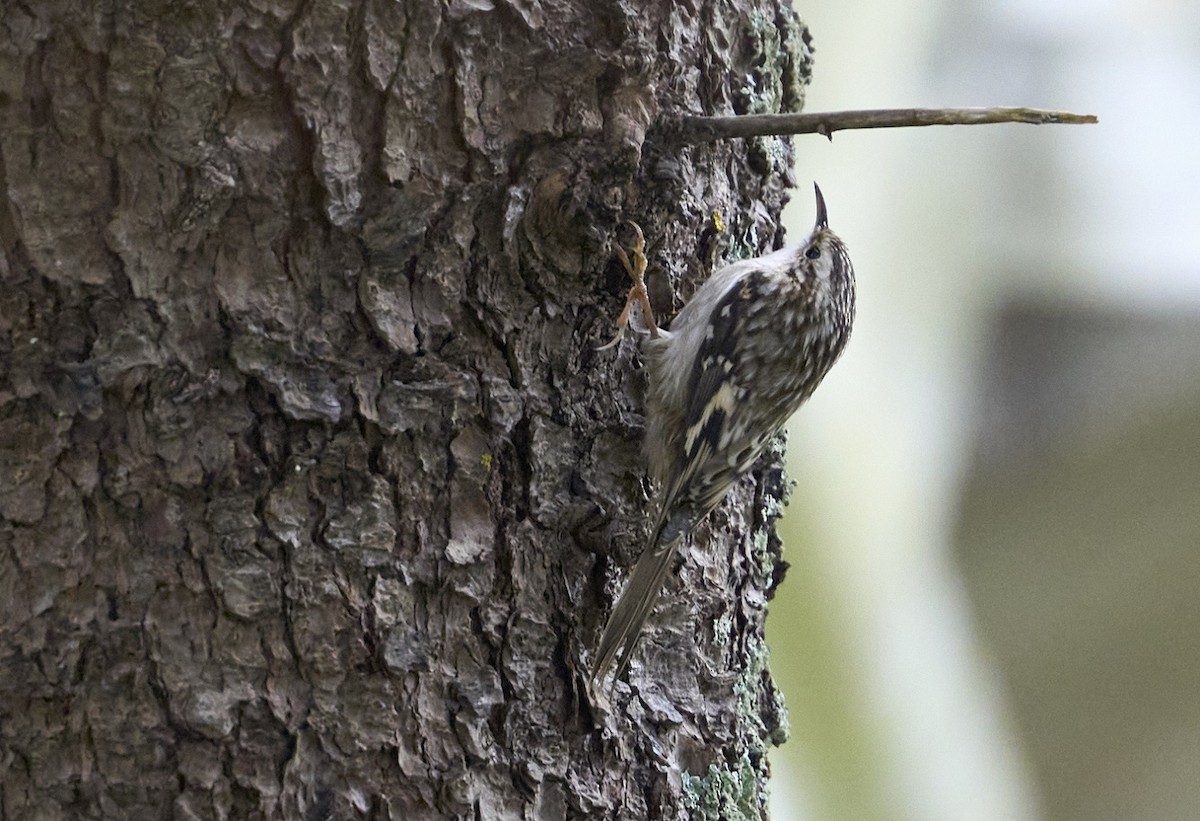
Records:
x=635, y=266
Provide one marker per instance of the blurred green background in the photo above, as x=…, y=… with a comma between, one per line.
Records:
x=993, y=610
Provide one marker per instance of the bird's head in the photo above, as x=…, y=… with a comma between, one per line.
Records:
x=823, y=255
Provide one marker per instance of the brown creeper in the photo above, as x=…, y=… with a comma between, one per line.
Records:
x=749, y=347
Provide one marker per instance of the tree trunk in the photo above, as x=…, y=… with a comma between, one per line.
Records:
x=314, y=491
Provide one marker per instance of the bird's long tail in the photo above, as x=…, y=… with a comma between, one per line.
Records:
x=637, y=600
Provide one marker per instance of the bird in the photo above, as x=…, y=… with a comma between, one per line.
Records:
x=748, y=348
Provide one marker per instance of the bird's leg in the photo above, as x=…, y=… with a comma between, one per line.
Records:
x=636, y=267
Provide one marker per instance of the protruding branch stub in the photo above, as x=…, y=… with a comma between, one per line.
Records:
x=691, y=129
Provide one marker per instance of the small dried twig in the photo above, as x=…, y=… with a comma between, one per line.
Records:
x=706, y=129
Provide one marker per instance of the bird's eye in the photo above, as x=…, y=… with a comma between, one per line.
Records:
x=813, y=252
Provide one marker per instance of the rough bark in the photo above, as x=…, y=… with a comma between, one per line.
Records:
x=313, y=489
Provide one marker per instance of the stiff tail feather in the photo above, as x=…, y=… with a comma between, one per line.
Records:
x=633, y=608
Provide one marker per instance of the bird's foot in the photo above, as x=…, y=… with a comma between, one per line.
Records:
x=635, y=265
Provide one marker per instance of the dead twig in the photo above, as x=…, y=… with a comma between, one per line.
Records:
x=705, y=129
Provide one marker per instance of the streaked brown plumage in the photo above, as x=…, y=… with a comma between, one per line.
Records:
x=749, y=347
